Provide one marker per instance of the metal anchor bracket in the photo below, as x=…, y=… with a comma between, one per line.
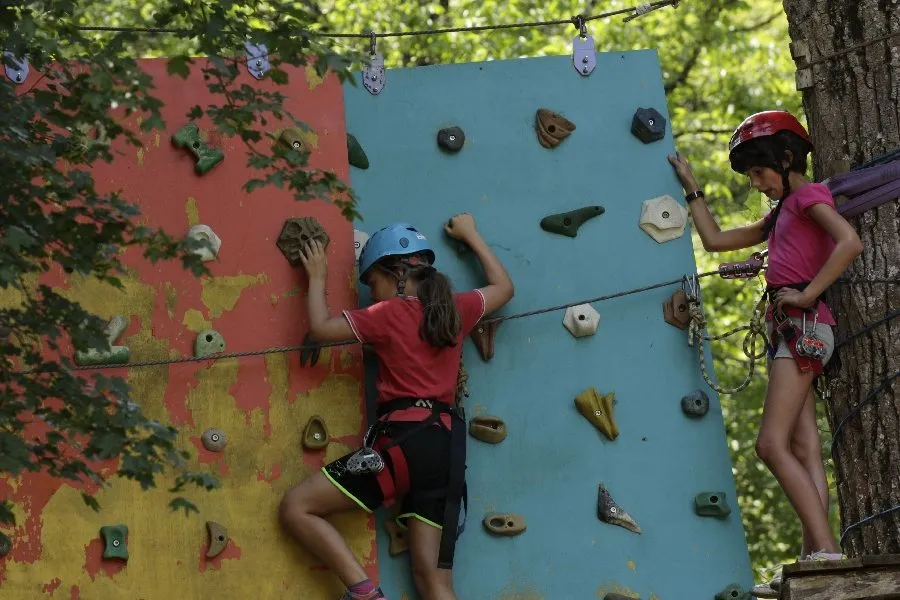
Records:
x=257, y=59
x=584, y=55
x=373, y=76
x=18, y=71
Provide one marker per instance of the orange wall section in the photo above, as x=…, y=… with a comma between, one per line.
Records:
x=256, y=300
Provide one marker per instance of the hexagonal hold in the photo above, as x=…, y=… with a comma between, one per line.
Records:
x=695, y=404
x=114, y=539
x=360, y=238
x=581, y=320
x=663, y=219
x=296, y=233
x=209, y=342
x=214, y=439
x=205, y=233
x=712, y=504
x=648, y=125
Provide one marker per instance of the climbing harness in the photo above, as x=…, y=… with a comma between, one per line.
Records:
x=795, y=337
x=810, y=344
x=394, y=481
x=754, y=329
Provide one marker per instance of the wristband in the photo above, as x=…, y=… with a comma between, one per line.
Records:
x=694, y=195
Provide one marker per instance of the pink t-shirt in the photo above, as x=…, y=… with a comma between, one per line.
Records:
x=798, y=246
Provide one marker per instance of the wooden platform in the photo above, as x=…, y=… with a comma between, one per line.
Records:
x=863, y=578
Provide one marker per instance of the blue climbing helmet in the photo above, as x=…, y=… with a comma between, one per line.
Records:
x=397, y=239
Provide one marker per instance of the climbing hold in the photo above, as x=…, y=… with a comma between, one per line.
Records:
x=209, y=341
x=310, y=352
x=292, y=137
x=5, y=545
x=451, y=139
x=399, y=543
x=207, y=157
x=360, y=238
x=296, y=234
x=114, y=537
x=462, y=384
x=214, y=439
x=483, y=337
x=507, y=524
x=315, y=435
x=610, y=512
x=116, y=355
x=552, y=128
x=663, y=219
x=675, y=310
x=202, y=233
x=581, y=320
x=598, y=409
x=648, y=125
x=695, y=404
x=733, y=592
x=218, y=539
x=488, y=429
x=567, y=223
x=712, y=504
x=355, y=154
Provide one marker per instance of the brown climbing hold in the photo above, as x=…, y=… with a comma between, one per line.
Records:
x=218, y=539
x=399, y=543
x=610, y=512
x=552, y=128
x=296, y=234
x=675, y=310
x=483, y=337
x=507, y=524
x=462, y=384
x=315, y=436
x=488, y=429
x=598, y=409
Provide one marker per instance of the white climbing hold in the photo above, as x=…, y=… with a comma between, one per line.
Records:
x=359, y=241
x=581, y=320
x=663, y=219
x=204, y=232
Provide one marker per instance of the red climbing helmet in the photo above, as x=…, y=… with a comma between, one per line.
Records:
x=766, y=123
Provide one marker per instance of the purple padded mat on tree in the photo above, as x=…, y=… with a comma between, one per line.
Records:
x=866, y=188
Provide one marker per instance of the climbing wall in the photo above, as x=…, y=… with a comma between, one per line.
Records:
x=255, y=300
x=549, y=467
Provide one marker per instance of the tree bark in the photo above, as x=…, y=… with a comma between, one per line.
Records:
x=853, y=115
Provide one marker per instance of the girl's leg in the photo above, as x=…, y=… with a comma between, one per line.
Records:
x=301, y=512
x=431, y=582
x=806, y=446
x=785, y=397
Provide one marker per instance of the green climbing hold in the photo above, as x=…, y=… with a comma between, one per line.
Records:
x=114, y=537
x=356, y=154
x=5, y=545
x=695, y=404
x=567, y=223
x=209, y=342
x=733, y=592
x=207, y=157
x=117, y=355
x=712, y=504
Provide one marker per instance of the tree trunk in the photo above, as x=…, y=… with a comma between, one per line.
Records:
x=851, y=104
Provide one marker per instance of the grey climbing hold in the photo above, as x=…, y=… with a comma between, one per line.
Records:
x=451, y=139
x=204, y=233
x=209, y=341
x=214, y=439
x=5, y=545
x=695, y=404
x=733, y=591
x=648, y=125
x=610, y=512
x=116, y=355
x=712, y=504
x=18, y=70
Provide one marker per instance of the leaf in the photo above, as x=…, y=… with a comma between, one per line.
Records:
x=179, y=65
x=184, y=504
x=91, y=502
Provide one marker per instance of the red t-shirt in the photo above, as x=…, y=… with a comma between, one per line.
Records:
x=408, y=366
x=798, y=246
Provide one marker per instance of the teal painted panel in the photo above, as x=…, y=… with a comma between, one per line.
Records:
x=549, y=467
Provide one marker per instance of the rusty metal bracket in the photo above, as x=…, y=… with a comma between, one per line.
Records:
x=483, y=337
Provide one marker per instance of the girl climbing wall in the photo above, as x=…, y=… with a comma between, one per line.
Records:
x=415, y=452
x=810, y=245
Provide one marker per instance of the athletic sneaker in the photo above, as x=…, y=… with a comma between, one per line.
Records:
x=772, y=588
x=375, y=594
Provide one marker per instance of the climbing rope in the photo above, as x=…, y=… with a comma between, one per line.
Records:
x=754, y=329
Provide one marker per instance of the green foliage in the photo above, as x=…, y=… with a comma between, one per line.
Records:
x=54, y=220
x=721, y=60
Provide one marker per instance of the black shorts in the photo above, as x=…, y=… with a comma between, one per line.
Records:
x=427, y=455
